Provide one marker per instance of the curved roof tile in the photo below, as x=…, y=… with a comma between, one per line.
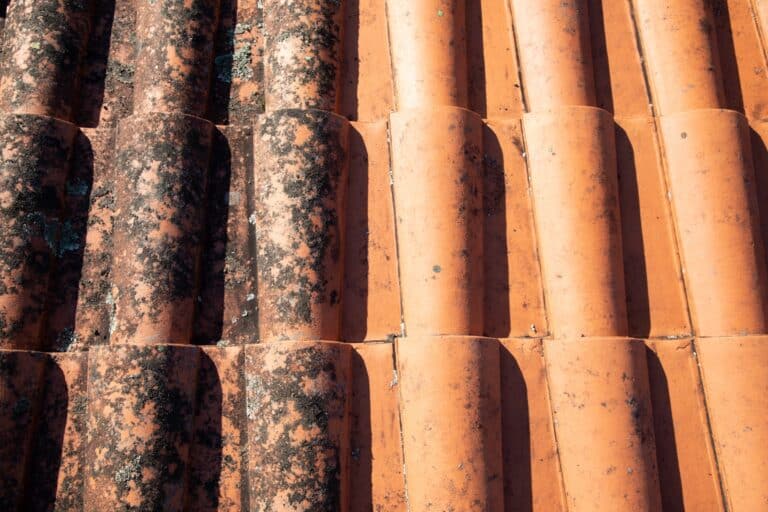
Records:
x=355, y=255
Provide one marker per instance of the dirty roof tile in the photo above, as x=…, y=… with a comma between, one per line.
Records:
x=249, y=249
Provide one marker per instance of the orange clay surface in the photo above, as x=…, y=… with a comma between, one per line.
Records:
x=384, y=255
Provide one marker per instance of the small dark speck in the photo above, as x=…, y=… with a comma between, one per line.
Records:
x=437, y=269
x=683, y=135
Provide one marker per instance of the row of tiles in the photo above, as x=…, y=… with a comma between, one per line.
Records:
x=92, y=62
x=434, y=423
x=568, y=223
x=474, y=269
x=687, y=186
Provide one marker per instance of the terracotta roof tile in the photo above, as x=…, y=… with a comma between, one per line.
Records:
x=383, y=255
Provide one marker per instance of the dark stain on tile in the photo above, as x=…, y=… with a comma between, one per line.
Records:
x=297, y=412
x=237, y=91
x=46, y=40
x=163, y=163
x=57, y=464
x=94, y=310
x=141, y=406
x=174, y=55
x=299, y=222
x=117, y=101
x=21, y=388
x=95, y=64
x=34, y=160
x=303, y=54
x=227, y=311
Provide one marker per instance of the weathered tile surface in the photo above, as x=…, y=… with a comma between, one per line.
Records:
x=249, y=250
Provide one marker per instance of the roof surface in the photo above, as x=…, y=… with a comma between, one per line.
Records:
x=383, y=255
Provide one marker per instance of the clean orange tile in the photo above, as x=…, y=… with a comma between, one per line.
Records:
x=736, y=387
x=451, y=419
x=572, y=172
x=688, y=470
x=439, y=234
x=603, y=423
x=714, y=203
x=514, y=295
x=532, y=474
x=553, y=43
x=371, y=296
x=376, y=455
x=680, y=47
x=428, y=44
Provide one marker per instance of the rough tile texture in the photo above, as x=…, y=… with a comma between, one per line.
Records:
x=141, y=404
x=383, y=255
x=299, y=221
x=35, y=156
x=297, y=409
x=160, y=199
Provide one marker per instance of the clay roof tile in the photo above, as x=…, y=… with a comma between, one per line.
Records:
x=353, y=255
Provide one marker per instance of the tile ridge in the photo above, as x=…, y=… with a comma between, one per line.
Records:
x=439, y=236
x=554, y=52
x=152, y=463
x=660, y=26
x=428, y=48
x=600, y=389
x=302, y=417
x=708, y=212
x=566, y=206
